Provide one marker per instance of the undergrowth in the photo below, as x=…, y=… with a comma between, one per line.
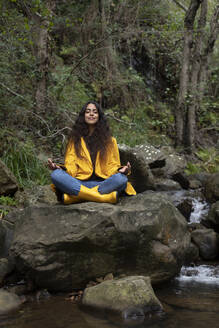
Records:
x=6, y=200
x=20, y=157
x=208, y=162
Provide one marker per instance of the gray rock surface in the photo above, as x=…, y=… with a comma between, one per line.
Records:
x=6, y=234
x=5, y=268
x=174, y=162
x=149, y=162
x=8, y=183
x=126, y=295
x=212, y=188
x=36, y=196
x=63, y=247
x=8, y=301
x=141, y=177
x=166, y=185
x=208, y=243
x=212, y=220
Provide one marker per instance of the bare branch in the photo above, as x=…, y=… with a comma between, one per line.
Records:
x=210, y=128
x=55, y=133
x=180, y=5
x=68, y=116
x=11, y=91
x=119, y=120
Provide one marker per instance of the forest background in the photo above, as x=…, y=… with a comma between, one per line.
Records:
x=55, y=55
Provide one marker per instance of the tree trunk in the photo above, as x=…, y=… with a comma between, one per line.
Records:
x=196, y=56
x=194, y=103
x=208, y=50
x=41, y=41
x=181, y=108
x=43, y=55
x=43, y=58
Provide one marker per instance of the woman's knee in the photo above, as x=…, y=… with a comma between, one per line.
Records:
x=56, y=175
x=121, y=179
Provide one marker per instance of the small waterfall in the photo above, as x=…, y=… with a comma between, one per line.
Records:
x=200, y=207
x=200, y=210
x=207, y=274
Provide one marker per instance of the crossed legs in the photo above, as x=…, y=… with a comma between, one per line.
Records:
x=72, y=186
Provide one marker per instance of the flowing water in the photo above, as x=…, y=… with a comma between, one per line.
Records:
x=190, y=301
x=200, y=207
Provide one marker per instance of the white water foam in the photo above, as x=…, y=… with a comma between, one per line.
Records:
x=203, y=273
x=200, y=210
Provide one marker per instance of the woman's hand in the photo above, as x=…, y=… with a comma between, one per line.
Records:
x=51, y=165
x=125, y=169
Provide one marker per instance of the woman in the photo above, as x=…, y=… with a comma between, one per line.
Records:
x=92, y=162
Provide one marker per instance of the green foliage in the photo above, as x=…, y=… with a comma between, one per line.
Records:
x=133, y=73
x=209, y=162
x=73, y=94
x=143, y=124
x=6, y=200
x=210, y=159
x=192, y=168
x=21, y=158
x=3, y=213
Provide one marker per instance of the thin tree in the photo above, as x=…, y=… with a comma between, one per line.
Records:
x=40, y=35
x=197, y=49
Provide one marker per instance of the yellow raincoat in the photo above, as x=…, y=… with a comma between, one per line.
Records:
x=82, y=168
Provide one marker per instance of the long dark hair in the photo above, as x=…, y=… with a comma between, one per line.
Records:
x=101, y=136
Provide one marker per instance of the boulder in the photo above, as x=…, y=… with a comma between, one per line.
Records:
x=211, y=189
x=151, y=155
x=36, y=196
x=166, y=185
x=2, y=236
x=127, y=296
x=182, y=179
x=202, y=177
x=63, y=247
x=194, y=183
x=8, y=301
x=5, y=268
x=8, y=182
x=141, y=176
x=148, y=161
x=6, y=234
x=212, y=220
x=174, y=162
x=186, y=207
x=207, y=241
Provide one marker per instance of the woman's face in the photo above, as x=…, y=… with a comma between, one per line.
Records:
x=91, y=115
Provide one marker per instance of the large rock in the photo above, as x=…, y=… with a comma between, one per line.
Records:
x=212, y=220
x=141, y=177
x=208, y=243
x=126, y=295
x=6, y=234
x=63, y=247
x=2, y=236
x=5, y=268
x=174, y=163
x=212, y=188
x=8, y=301
x=8, y=183
x=166, y=185
x=149, y=162
x=38, y=195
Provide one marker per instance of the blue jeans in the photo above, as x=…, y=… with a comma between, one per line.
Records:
x=69, y=185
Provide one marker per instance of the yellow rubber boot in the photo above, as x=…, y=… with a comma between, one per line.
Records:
x=93, y=195
x=71, y=199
